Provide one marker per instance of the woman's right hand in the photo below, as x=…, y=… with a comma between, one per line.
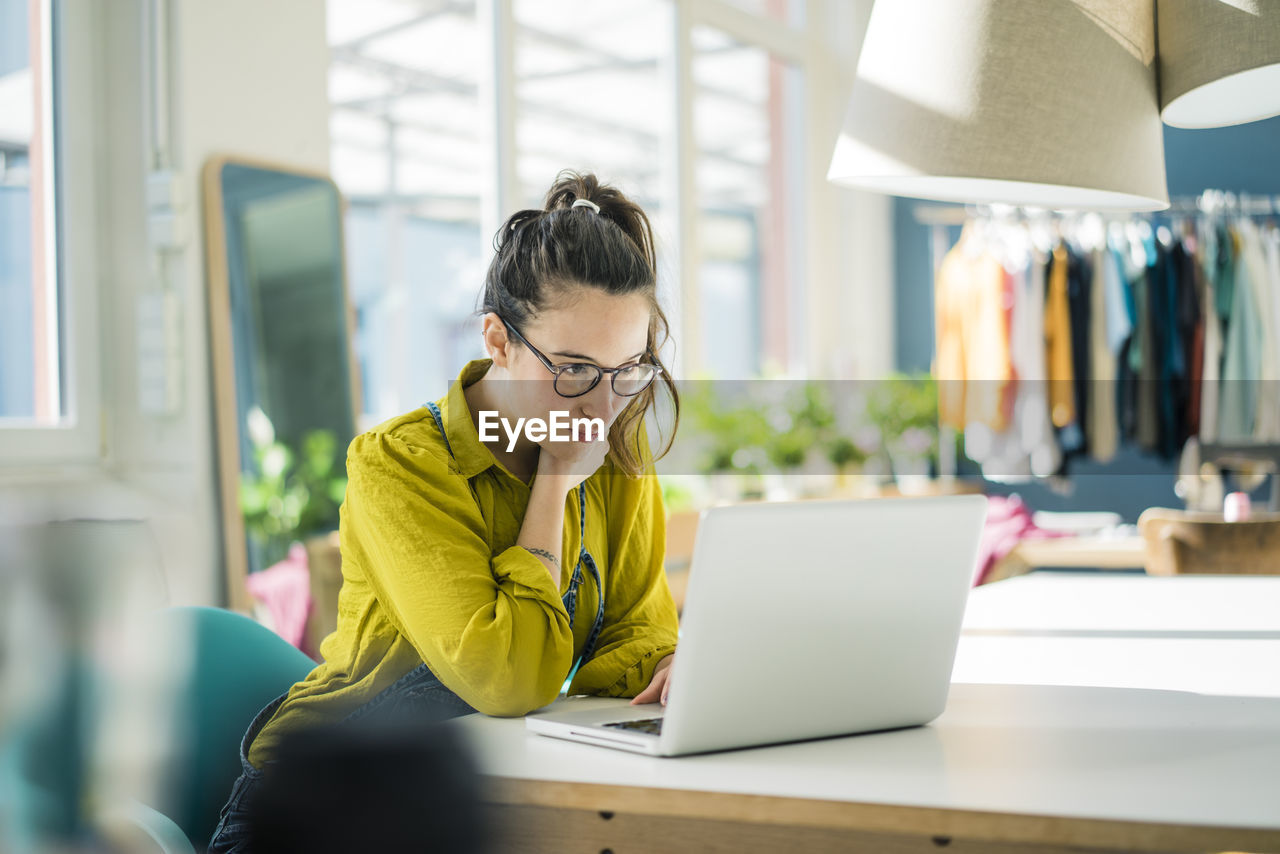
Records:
x=542, y=530
x=570, y=463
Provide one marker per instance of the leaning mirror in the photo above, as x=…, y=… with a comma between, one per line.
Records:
x=285, y=384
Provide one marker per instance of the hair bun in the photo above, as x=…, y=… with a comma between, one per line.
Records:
x=583, y=189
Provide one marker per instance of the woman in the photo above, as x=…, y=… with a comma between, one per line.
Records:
x=473, y=571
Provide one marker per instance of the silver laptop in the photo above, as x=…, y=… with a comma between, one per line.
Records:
x=805, y=620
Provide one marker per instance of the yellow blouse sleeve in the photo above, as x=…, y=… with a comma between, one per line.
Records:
x=640, y=621
x=491, y=626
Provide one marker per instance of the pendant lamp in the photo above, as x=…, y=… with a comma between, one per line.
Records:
x=1031, y=102
x=1219, y=61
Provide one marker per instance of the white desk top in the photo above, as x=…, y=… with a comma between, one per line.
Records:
x=1212, y=635
x=1184, y=605
x=1124, y=753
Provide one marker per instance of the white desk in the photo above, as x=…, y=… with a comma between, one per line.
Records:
x=1207, y=634
x=1095, y=756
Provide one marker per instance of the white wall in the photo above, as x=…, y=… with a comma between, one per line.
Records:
x=247, y=77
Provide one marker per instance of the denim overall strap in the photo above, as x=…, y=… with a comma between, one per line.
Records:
x=570, y=597
x=584, y=558
x=435, y=413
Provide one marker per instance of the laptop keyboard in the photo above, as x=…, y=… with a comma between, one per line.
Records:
x=653, y=726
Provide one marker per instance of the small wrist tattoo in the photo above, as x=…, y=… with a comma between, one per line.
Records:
x=544, y=553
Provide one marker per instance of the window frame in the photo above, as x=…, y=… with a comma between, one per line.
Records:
x=68, y=57
x=809, y=44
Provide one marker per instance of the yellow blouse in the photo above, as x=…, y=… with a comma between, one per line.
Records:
x=431, y=573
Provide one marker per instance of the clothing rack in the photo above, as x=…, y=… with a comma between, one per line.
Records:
x=941, y=217
x=1209, y=203
x=1219, y=202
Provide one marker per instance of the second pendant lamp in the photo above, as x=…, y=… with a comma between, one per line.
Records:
x=1051, y=104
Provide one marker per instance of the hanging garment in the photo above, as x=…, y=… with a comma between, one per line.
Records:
x=1079, y=279
x=1210, y=387
x=1102, y=430
x=1238, y=404
x=1057, y=332
x=1031, y=421
x=1186, y=312
x=1271, y=248
x=1143, y=356
x=1224, y=270
x=1267, y=367
x=1000, y=453
x=1160, y=334
x=1126, y=377
x=1117, y=300
x=1192, y=309
x=1027, y=448
x=972, y=363
x=1170, y=353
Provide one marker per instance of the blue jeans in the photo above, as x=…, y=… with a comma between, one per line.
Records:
x=417, y=694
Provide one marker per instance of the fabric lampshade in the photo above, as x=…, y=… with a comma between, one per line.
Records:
x=1219, y=61
x=1051, y=104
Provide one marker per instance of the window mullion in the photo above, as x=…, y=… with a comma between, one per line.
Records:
x=498, y=105
x=680, y=189
x=774, y=36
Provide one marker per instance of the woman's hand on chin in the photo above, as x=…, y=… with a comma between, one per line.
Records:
x=571, y=462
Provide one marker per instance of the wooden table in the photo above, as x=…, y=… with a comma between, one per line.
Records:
x=1071, y=725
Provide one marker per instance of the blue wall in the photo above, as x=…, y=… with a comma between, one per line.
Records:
x=1244, y=158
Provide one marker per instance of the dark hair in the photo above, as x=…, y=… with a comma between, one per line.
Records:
x=541, y=254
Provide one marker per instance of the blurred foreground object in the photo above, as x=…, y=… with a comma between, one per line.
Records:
x=84, y=699
x=402, y=785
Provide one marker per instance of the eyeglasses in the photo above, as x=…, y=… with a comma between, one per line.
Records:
x=577, y=378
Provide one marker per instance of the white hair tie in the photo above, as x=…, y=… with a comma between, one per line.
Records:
x=586, y=203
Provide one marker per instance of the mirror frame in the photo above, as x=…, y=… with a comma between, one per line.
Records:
x=222, y=357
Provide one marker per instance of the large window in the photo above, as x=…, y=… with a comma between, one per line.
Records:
x=49, y=385
x=30, y=375
x=447, y=117
x=589, y=94
x=749, y=132
x=408, y=154
x=791, y=11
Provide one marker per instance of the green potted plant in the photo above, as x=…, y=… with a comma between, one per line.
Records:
x=845, y=457
x=905, y=409
x=291, y=494
x=729, y=437
x=800, y=424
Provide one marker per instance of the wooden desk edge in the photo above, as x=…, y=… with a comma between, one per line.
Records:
x=878, y=818
x=1121, y=553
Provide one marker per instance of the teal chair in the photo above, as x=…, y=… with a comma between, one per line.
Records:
x=237, y=666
